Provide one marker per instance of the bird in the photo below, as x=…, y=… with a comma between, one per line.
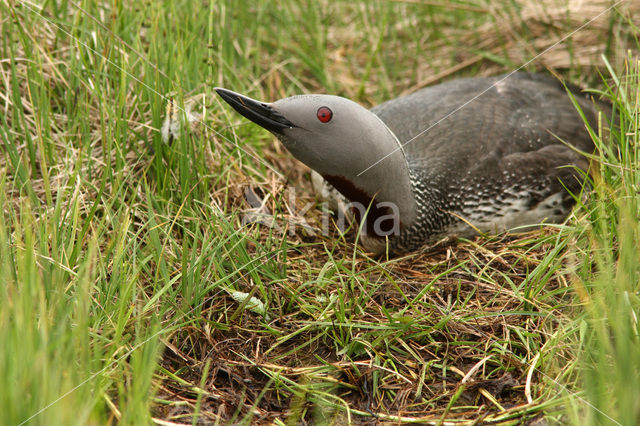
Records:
x=467, y=156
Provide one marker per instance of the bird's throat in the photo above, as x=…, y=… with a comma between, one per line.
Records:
x=380, y=219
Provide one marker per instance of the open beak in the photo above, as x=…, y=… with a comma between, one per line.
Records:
x=259, y=112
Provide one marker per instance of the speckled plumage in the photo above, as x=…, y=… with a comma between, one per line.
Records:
x=499, y=162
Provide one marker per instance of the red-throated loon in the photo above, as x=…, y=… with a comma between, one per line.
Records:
x=492, y=164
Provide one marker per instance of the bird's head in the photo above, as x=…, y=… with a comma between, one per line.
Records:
x=346, y=143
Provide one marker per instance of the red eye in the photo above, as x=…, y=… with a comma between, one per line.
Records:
x=324, y=114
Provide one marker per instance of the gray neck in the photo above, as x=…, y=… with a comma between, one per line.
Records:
x=342, y=158
x=382, y=174
x=391, y=182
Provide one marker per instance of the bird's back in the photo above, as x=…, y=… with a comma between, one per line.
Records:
x=465, y=120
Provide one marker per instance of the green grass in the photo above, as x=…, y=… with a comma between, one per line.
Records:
x=121, y=256
x=606, y=326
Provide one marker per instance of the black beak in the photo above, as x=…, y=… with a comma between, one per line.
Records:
x=260, y=113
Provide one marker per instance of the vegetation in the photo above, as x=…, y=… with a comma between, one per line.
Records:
x=141, y=283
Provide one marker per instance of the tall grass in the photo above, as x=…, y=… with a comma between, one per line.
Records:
x=606, y=274
x=128, y=265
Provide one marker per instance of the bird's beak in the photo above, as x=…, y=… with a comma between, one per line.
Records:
x=259, y=112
